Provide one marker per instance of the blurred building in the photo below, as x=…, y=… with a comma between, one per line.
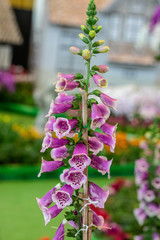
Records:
x=57, y=23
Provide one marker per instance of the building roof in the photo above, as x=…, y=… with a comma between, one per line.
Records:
x=71, y=12
x=9, y=29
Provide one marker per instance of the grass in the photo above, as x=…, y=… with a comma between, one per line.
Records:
x=20, y=216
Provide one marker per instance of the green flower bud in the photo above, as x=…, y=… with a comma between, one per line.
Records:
x=89, y=22
x=75, y=50
x=83, y=38
x=78, y=76
x=92, y=34
x=94, y=20
x=96, y=92
x=98, y=43
x=98, y=29
x=84, y=29
x=86, y=54
x=101, y=50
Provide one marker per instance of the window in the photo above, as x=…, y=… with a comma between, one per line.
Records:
x=132, y=26
x=5, y=57
x=66, y=61
x=115, y=26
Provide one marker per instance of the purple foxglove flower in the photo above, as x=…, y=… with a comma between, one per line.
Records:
x=49, y=124
x=97, y=195
x=46, y=200
x=61, y=127
x=94, y=145
x=98, y=220
x=64, y=85
x=64, y=98
x=141, y=178
x=156, y=183
x=68, y=77
x=101, y=163
x=80, y=160
x=156, y=236
x=142, y=165
x=49, y=142
x=99, y=114
x=100, y=81
x=155, y=18
x=109, y=129
x=140, y=215
x=58, y=108
x=60, y=233
x=149, y=195
x=50, y=213
x=108, y=101
x=59, y=153
x=106, y=139
x=63, y=197
x=49, y=166
x=74, y=178
x=141, y=191
x=139, y=237
x=151, y=210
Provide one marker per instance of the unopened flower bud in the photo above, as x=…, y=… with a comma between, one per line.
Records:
x=84, y=29
x=83, y=38
x=94, y=20
x=101, y=50
x=101, y=68
x=89, y=22
x=78, y=76
x=75, y=50
x=98, y=29
x=86, y=54
x=92, y=34
x=98, y=43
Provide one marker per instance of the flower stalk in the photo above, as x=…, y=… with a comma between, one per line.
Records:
x=75, y=155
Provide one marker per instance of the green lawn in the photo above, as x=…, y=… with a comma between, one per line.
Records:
x=20, y=216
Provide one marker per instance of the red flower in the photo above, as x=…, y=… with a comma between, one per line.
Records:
x=102, y=212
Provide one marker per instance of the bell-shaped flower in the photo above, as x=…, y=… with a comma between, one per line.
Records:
x=68, y=77
x=60, y=233
x=94, y=145
x=97, y=195
x=151, y=210
x=49, y=166
x=58, y=108
x=63, y=98
x=50, y=213
x=58, y=154
x=98, y=220
x=46, y=200
x=142, y=165
x=63, y=126
x=64, y=85
x=73, y=177
x=49, y=124
x=149, y=195
x=101, y=164
x=106, y=139
x=109, y=129
x=100, y=81
x=140, y=215
x=80, y=160
x=99, y=114
x=63, y=197
x=156, y=183
x=49, y=142
x=108, y=101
